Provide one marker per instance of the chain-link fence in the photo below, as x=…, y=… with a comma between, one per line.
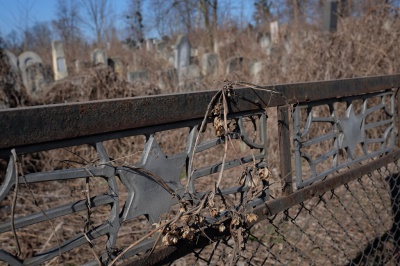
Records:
x=354, y=224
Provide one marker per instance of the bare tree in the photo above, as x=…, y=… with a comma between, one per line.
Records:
x=133, y=17
x=263, y=12
x=37, y=37
x=172, y=17
x=208, y=9
x=68, y=21
x=159, y=16
x=99, y=16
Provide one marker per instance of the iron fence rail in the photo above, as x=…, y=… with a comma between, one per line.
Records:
x=42, y=124
x=153, y=184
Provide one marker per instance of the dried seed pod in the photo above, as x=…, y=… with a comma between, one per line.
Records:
x=219, y=127
x=169, y=239
x=221, y=228
x=217, y=109
x=214, y=212
x=182, y=208
x=251, y=217
x=185, y=218
x=188, y=233
x=199, y=219
x=235, y=221
x=264, y=173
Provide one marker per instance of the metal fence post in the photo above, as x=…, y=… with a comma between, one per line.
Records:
x=284, y=149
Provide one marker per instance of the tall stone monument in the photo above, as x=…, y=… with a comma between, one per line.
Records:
x=59, y=63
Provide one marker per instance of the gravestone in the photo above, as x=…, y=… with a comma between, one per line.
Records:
x=28, y=58
x=189, y=74
x=161, y=46
x=12, y=59
x=38, y=78
x=256, y=68
x=162, y=50
x=81, y=65
x=99, y=56
x=209, y=64
x=182, y=53
x=287, y=45
x=167, y=79
x=12, y=77
x=34, y=76
x=59, y=64
x=149, y=45
x=266, y=43
x=117, y=65
x=233, y=64
x=274, y=28
x=171, y=59
x=133, y=76
x=329, y=22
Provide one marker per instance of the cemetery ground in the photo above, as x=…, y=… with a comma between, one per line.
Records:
x=361, y=47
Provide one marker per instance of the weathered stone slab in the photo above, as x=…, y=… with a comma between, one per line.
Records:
x=329, y=21
x=266, y=44
x=233, y=64
x=99, y=56
x=256, y=68
x=59, y=63
x=133, y=76
x=117, y=65
x=34, y=75
x=209, y=64
x=182, y=51
x=167, y=79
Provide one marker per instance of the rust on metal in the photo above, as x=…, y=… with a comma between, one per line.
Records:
x=42, y=124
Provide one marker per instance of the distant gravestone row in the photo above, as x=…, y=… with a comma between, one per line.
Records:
x=187, y=65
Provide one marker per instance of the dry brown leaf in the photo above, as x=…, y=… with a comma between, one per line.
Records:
x=251, y=217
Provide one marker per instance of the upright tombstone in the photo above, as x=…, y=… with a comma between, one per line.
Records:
x=274, y=28
x=13, y=76
x=25, y=60
x=167, y=79
x=189, y=75
x=329, y=22
x=12, y=59
x=181, y=53
x=256, y=68
x=117, y=66
x=149, y=45
x=34, y=75
x=209, y=64
x=59, y=64
x=99, y=56
x=234, y=64
x=266, y=43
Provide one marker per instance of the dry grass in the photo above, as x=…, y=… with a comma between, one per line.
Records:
x=361, y=47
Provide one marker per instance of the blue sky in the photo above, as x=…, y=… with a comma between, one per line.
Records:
x=18, y=14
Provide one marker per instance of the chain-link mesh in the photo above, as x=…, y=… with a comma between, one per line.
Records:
x=354, y=224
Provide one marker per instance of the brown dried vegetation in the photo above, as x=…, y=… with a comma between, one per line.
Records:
x=361, y=47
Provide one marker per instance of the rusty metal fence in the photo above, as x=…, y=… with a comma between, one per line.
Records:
x=298, y=174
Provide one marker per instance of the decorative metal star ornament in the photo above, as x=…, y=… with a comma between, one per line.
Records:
x=351, y=131
x=146, y=196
